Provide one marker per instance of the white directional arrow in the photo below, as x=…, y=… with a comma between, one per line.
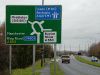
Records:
x=55, y=15
x=34, y=30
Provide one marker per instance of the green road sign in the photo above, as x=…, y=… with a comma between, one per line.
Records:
x=33, y=24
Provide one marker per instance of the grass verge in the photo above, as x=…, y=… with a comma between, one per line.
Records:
x=28, y=70
x=58, y=70
x=87, y=61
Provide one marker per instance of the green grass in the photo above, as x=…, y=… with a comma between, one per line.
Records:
x=28, y=70
x=87, y=61
x=58, y=70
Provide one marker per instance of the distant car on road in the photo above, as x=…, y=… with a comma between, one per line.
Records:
x=65, y=58
x=94, y=59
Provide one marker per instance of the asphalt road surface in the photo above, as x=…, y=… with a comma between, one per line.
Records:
x=78, y=68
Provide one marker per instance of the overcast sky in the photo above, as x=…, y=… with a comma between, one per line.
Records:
x=80, y=20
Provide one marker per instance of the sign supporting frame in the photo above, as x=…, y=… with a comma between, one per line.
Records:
x=33, y=60
x=13, y=43
x=10, y=59
x=55, y=59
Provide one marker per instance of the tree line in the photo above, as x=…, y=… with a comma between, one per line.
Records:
x=22, y=55
x=94, y=50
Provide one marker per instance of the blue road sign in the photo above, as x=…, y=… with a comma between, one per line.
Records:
x=29, y=38
x=48, y=12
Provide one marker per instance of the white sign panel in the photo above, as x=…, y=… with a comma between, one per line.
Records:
x=50, y=37
x=18, y=18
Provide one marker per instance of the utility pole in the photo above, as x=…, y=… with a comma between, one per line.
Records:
x=42, y=2
x=79, y=47
x=70, y=50
x=58, y=53
x=64, y=49
x=42, y=52
x=79, y=53
x=88, y=48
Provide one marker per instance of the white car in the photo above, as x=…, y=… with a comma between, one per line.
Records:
x=94, y=59
x=65, y=58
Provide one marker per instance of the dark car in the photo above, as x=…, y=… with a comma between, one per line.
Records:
x=65, y=58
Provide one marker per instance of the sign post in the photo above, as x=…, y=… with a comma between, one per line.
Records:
x=42, y=2
x=33, y=60
x=54, y=59
x=10, y=59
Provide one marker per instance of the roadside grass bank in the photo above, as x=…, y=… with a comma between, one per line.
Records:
x=28, y=70
x=87, y=61
x=58, y=70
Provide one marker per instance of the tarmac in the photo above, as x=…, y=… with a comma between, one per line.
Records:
x=46, y=70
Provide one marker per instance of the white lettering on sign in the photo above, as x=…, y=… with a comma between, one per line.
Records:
x=18, y=18
x=50, y=37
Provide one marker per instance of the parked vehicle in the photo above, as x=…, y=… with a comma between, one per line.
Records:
x=65, y=58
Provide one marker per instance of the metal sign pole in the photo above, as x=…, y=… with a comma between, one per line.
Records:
x=43, y=53
x=33, y=60
x=10, y=58
x=54, y=59
x=43, y=44
x=42, y=2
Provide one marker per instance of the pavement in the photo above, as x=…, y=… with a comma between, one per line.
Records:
x=46, y=70
x=78, y=68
